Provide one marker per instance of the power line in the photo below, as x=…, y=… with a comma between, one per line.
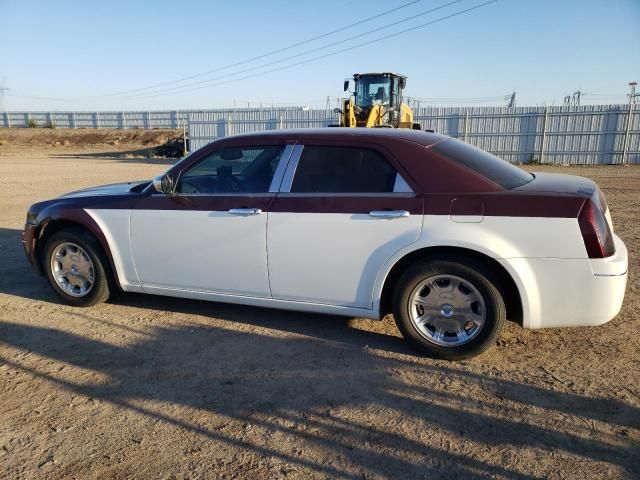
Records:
x=307, y=52
x=264, y=55
x=385, y=37
x=192, y=87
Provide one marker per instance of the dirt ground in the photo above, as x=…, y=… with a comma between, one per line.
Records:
x=152, y=387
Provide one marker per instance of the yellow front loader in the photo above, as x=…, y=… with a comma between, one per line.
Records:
x=376, y=102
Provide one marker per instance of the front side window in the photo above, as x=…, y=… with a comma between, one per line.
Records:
x=232, y=170
x=342, y=170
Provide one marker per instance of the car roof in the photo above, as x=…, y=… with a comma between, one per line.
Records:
x=385, y=134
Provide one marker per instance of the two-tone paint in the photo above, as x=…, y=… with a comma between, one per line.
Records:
x=329, y=253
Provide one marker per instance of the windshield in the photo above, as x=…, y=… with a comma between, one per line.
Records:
x=373, y=90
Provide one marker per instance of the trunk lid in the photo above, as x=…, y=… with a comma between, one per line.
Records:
x=545, y=182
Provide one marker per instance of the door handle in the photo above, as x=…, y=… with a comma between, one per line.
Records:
x=245, y=211
x=389, y=213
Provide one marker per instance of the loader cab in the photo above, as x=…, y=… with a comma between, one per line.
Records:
x=378, y=91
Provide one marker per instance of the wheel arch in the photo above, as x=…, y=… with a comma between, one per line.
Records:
x=53, y=225
x=508, y=286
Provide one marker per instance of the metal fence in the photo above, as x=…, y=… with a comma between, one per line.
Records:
x=593, y=134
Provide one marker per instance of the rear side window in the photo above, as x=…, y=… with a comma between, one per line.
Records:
x=342, y=170
x=486, y=164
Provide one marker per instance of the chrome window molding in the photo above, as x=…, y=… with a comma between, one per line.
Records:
x=290, y=172
x=278, y=175
x=342, y=195
x=230, y=194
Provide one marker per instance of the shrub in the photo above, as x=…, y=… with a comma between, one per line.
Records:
x=32, y=124
x=533, y=160
x=49, y=124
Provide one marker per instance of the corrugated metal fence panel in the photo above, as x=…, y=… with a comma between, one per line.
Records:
x=588, y=134
x=571, y=135
x=207, y=126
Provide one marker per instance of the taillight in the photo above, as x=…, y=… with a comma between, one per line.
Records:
x=603, y=201
x=595, y=231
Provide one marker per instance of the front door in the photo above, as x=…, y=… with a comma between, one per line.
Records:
x=341, y=214
x=211, y=235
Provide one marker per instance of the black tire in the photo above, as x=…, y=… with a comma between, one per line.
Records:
x=100, y=290
x=469, y=270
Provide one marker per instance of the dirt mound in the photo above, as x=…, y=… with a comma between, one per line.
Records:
x=37, y=137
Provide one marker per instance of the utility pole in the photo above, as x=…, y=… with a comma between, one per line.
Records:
x=512, y=100
x=632, y=92
x=3, y=91
x=632, y=102
x=576, y=98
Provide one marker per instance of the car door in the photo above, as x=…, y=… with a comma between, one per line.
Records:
x=210, y=236
x=342, y=212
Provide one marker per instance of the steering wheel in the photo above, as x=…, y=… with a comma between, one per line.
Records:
x=230, y=184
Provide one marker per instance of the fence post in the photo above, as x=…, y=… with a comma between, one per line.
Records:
x=544, y=135
x=281, y=124
x=466, y=121
x=626, y=133
x=97, y=119
x=184, y=140
x=148, y=121
x=124, y=121
x=8, y=119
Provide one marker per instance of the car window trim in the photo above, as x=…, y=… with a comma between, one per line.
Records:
x=400, y=184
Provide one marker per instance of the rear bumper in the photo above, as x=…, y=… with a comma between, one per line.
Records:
x=571, y=292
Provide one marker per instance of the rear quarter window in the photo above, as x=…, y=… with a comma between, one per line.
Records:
x=486, y=164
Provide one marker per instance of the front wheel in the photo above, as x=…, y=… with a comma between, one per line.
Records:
x=449, y=309
x=75, y=268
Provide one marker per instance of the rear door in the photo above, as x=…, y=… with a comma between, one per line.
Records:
x=341, y=213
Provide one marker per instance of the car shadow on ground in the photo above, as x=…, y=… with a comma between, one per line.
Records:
x=247, y=376
x=236, y=375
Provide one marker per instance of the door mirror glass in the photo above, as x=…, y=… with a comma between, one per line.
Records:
x=164, y=184
x=346, y=85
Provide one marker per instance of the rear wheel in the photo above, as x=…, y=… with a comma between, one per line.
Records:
x=75, y=268
x=449, y=308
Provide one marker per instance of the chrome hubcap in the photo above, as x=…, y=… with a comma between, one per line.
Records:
x=447, y=310
x=72, y=269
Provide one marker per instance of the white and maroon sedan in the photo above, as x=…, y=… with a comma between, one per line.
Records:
x=357, y=222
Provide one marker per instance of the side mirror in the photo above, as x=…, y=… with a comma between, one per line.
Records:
x=337, y=110
x=346, y=85
x=164, y=184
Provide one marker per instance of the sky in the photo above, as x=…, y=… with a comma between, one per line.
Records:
x=112, y=55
